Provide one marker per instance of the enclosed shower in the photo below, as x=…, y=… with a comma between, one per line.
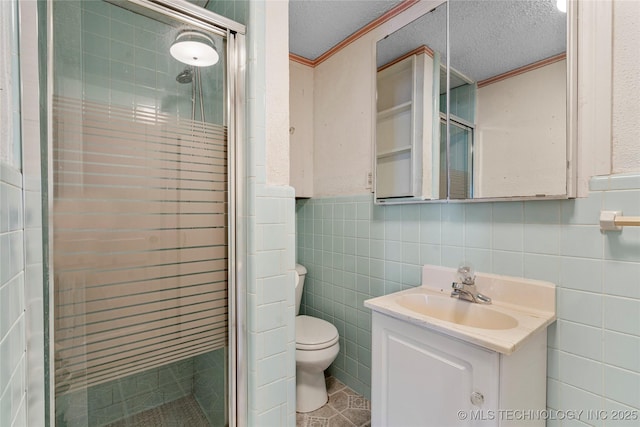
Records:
x=141, y=189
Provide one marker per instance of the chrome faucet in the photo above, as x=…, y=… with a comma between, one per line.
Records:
x=464, y=286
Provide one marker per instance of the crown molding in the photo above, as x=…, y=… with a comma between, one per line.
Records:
x=406, y=4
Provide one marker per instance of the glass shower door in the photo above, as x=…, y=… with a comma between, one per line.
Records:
x=461, y=162
x=139, y=202
x=456, y=180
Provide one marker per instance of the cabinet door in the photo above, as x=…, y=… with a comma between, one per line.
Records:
x=422, y=378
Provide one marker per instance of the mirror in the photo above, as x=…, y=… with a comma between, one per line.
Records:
x=505, y=135
x=411, y=79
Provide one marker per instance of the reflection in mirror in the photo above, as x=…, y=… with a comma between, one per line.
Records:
x=407, y=153
x=507, y=133
x=456, y=163
x=507, y=129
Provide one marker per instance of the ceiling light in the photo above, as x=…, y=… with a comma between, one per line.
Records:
x=561, y=5
x=194, y=48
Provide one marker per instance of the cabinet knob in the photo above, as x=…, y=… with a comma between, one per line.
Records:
x=477, y=398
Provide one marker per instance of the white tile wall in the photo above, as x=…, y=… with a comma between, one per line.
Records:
x=271, y=305
x=31, y=169
x=21, y=309
x=13, y=320
x=12, y=293
x=271, y=258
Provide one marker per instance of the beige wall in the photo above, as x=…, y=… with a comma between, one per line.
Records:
x=344, y=108
x=535, y=160
x=301, y=128
x=626, y=86
x=277, y=92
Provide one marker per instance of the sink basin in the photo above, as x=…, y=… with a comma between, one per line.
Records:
x=520, y=309
x=456, y=311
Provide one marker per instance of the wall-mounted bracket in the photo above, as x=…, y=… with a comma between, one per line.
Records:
x=614, y=221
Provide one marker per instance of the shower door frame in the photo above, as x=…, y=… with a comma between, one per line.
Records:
x=234, y=34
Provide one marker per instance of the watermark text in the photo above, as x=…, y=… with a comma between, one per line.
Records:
x=549, y=414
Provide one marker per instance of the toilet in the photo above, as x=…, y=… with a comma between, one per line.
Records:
x=316, y=348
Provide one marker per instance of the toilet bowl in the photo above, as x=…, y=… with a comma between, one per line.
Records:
x=316, y=348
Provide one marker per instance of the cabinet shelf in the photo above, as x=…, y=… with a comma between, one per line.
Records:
x=398, y=150
x=400, y=108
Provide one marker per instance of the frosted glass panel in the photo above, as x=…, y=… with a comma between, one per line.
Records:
x=140, y=230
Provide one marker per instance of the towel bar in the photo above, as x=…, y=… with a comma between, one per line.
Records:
x=612, y=221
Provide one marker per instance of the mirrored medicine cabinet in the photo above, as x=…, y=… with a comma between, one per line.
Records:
x=479, y=109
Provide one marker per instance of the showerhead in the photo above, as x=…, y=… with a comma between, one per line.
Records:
x=186, y=76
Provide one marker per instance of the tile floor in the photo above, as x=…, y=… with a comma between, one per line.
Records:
x=184, y=412
x=345, y=408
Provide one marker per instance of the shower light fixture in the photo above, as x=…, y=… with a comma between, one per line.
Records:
x=194, y=48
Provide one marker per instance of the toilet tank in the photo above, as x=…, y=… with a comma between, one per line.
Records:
x=301, y=273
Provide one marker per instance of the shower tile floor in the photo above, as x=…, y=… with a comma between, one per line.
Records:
x=345, y=408
x=184, y=412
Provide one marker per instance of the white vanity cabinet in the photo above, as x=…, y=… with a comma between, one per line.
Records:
x=425, y=378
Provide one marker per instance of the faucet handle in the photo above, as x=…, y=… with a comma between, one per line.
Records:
x=457, y=285
x=466, y=273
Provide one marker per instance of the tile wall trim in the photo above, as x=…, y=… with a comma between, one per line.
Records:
x=622, y=181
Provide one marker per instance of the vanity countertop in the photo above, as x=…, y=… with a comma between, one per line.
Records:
x=530, y=302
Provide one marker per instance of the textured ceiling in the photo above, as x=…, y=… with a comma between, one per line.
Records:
x=315, y=26
x=488, y=37
x=505, y=35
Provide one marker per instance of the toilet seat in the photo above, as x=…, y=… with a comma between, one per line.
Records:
x=314, y=334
